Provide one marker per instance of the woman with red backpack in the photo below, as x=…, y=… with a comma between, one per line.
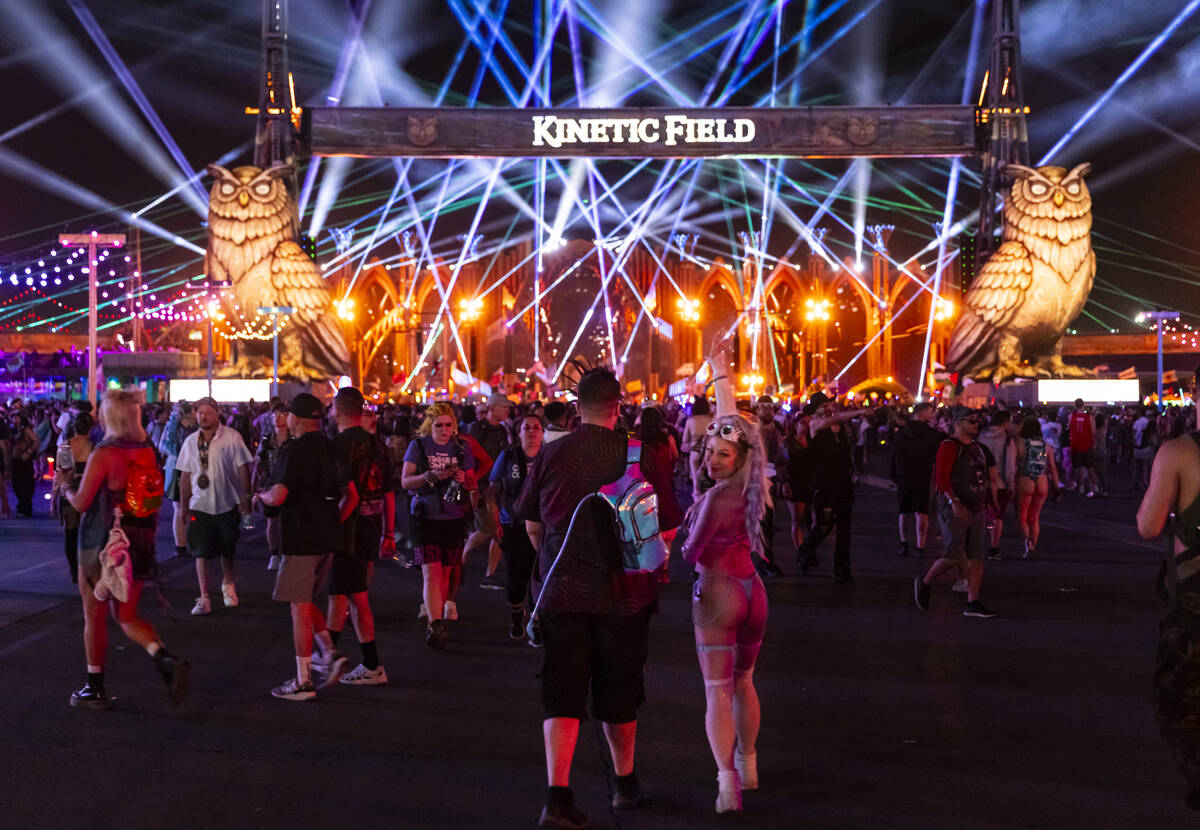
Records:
x=121, y=483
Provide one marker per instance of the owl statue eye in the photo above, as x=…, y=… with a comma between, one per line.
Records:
x=227, y=188
x=1073, y=188
x=262, y=188
x=1037, y=189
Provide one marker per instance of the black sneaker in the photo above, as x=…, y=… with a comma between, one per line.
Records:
x=435, y=635
x=904, y=549
x=920, y=553
x=568, y=818
x=517, y=630
x=920, y=593
x=174, y=671
x=627, y=794
x=994, y=555
x=977, y=609
x=89, y=697
x=490, y=582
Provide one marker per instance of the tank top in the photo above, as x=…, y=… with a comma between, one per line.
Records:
x=1187, y=520
x=1034, y=463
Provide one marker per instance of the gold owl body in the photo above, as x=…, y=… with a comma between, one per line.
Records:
x=1027, y=293
x=252, y=245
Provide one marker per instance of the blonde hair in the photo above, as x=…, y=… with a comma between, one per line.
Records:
x=750, y=478
x=121, y=414
x=434, y=412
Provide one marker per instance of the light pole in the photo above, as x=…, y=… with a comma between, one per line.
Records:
x=93, y=241
x=1159, y=317
x=275, y=311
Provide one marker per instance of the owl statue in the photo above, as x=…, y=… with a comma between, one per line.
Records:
x=252, y=245
x=1019, y=305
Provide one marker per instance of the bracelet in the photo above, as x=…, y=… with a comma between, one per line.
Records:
x=719, y=377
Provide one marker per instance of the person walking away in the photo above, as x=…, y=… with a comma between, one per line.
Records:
x=1100, y=454
x=914, y=449
x=180, y=424
x=961, y=479
x=556, y=421
x=998, y=439
x=309, y=493
x=434, y=462
x=493, y=436
x=729, y=601
x=693, y=439
x=366, y=518
x=1175, y=488
x=1037, y=477
x=833, y=486
x=1145, y=444
x=659, y=453
x=121, y=483
x=266, y=472
x=22, y=456
x=1082, y=435
x=214, y=487
x=769, y=434
x=595, y=617
x=68, y=471
x=798, y=486
x=507, y=478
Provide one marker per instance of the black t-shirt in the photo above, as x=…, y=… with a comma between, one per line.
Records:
x=364, y=460
x=309, y=470
x=589, y=578
x=493, y=439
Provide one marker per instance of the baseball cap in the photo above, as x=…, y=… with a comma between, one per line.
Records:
x=496, y=399
x=305, y=405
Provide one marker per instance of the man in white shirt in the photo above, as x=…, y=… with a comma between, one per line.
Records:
x=214, y=487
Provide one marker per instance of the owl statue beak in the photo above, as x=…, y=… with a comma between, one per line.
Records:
x=1059, y=198
x=244, y=199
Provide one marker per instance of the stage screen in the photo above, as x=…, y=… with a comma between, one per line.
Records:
x=224, y=390
x=1064, y=390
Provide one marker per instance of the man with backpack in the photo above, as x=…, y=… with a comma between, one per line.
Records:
x=367, y=517
x=962, y=479
x=594, y=615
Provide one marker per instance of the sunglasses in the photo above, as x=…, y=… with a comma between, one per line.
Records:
x=727, y=431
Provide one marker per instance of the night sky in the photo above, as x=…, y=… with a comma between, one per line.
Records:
x=197, y=64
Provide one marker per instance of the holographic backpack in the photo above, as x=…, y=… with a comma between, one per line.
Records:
x=635, y=508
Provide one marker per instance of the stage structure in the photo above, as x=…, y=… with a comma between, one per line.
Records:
x=992, y=130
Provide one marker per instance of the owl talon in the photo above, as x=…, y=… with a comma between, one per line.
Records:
x=1054, y=367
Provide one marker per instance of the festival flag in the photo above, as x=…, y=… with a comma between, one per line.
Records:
x=1128, y=374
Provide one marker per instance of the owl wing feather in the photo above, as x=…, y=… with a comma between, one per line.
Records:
x=299, y=284
x=993, y=299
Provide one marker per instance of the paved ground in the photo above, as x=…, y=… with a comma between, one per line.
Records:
x=874, y=714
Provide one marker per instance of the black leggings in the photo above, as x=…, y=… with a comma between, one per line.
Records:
x=829, y=518
x=519, y=557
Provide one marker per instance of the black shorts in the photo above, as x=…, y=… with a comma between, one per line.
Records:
x=914, y=498
x=1082, y=459
x=211, y=536
x=606, y=653
x=362, y=548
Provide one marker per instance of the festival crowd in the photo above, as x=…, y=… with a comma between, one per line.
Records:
x=344, y=485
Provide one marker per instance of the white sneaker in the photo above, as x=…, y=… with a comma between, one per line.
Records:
x=450, y=610
x=229, y=594
x=959, y=587
x=747, y=769
x=202, y=607
x=362, y=676
x=274, y=562
x=422, y=612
